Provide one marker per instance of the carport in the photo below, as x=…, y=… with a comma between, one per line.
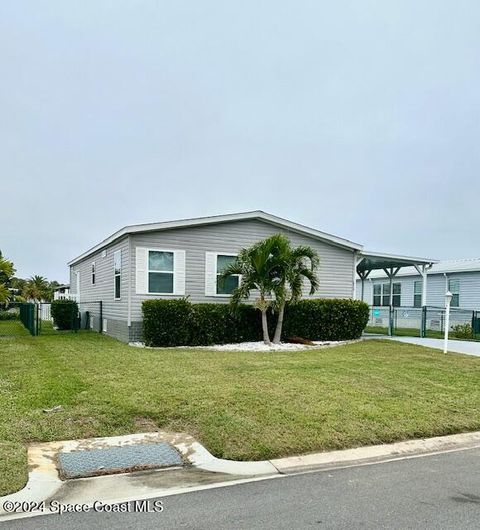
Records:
x=391, y=264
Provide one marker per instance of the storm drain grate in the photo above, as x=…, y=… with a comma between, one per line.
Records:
x=113, y=460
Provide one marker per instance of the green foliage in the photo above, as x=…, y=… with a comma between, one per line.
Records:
x=326, y=319
x=218, y=324
x=180, y=323
x=462, y=331
x=166, y=322
x=65, y=314
x=10, y=314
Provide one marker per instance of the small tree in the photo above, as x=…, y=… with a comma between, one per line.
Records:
x=257, y=267
x=276, y=271
x=64, y=313
x=294, y=266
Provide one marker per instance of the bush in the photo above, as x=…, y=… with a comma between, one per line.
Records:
x=167, y=322
x=462, y=331
x=10, y=314
x=180, y=323
x=65, y=314
x=326, y=319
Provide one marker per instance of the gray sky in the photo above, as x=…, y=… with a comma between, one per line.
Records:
x=359, y=118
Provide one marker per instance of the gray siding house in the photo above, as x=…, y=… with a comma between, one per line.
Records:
x=182, y=258
x=461, y=277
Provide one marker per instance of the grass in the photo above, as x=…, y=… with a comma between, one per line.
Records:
x=240, y=405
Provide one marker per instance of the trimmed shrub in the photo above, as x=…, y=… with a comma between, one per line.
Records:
x=180, y=323
x=462, y=331
x=64, y=314
x=167, y=322
x=10, y=314
x=326, y=319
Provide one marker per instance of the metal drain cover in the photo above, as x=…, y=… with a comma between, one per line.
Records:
x=113, y=460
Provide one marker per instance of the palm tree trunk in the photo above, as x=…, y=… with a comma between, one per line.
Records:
x=266, y=336
x=278, y=329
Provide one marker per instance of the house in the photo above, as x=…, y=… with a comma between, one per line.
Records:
x=61, y=292
x=183, y=258
x=461, y=277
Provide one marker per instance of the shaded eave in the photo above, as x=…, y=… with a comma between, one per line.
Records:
x=217, y=219
x=370, y=261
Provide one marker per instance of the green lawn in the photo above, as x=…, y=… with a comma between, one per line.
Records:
x=240, y=405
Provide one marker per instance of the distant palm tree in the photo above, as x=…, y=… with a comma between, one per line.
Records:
x=36, y=289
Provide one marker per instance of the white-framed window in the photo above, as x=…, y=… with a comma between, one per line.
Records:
x=93, y=273
x=417, y=293
x=161, y=272
x=454, y=288
x=381, y=294
x=117, y=274
x=226, y=286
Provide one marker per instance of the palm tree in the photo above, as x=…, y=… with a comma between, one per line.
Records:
x=6, y=273
x=257, y=268
x=36, y=288
x=295, y=265
x=4, y=294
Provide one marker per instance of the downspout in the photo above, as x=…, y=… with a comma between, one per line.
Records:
x=129, y=297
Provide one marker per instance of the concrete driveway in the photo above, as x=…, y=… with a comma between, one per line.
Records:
x=457, y=346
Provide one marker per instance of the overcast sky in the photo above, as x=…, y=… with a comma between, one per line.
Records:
x=359, y=118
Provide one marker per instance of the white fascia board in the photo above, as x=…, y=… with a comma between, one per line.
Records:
x=185, y=223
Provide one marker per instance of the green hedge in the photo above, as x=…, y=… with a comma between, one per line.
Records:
x=180, y=323
x=65, y=314
x=326, y=319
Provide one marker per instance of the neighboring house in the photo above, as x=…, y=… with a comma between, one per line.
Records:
x=182, y=258
x=461, y=277
x=61, y=292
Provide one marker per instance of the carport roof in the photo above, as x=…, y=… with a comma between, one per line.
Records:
x=370, y=261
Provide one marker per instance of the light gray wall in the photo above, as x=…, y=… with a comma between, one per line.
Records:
x=436, y=285
x=335, y=271
x=104, y=281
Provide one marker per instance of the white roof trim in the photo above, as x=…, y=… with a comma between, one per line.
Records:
x=397, y=257
x=182, y=223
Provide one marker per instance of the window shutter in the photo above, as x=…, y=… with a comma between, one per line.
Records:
x=179, y=272
x=141, y=262
x=210, y=274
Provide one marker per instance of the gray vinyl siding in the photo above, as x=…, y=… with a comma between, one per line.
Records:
x=436, y=287
x=104, y=280
x=335, y=272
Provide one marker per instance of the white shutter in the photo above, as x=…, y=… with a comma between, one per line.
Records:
x=210, y=273
x=141, y=270
x=179, y=272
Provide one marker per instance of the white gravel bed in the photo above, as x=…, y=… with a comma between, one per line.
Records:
x=257, y=346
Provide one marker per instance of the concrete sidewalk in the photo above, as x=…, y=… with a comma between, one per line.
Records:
x=457, y=346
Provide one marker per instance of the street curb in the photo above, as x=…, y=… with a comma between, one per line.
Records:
x=377, y=453
x=44, y=483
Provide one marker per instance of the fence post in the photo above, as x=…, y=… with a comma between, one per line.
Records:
x=100, y=326
x=423, y=331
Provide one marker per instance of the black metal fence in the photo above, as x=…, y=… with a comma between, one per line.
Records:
x=23, y=319
x=424, y=322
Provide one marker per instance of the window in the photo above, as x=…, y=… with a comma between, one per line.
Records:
x=381, y=294
x=93, y=273
x=454, y=288
x=417, y=293
x=377, y=294
x=160, y=272
x=227, y=285
x=117, y=273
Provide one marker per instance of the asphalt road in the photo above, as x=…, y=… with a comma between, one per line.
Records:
x=440, y=492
